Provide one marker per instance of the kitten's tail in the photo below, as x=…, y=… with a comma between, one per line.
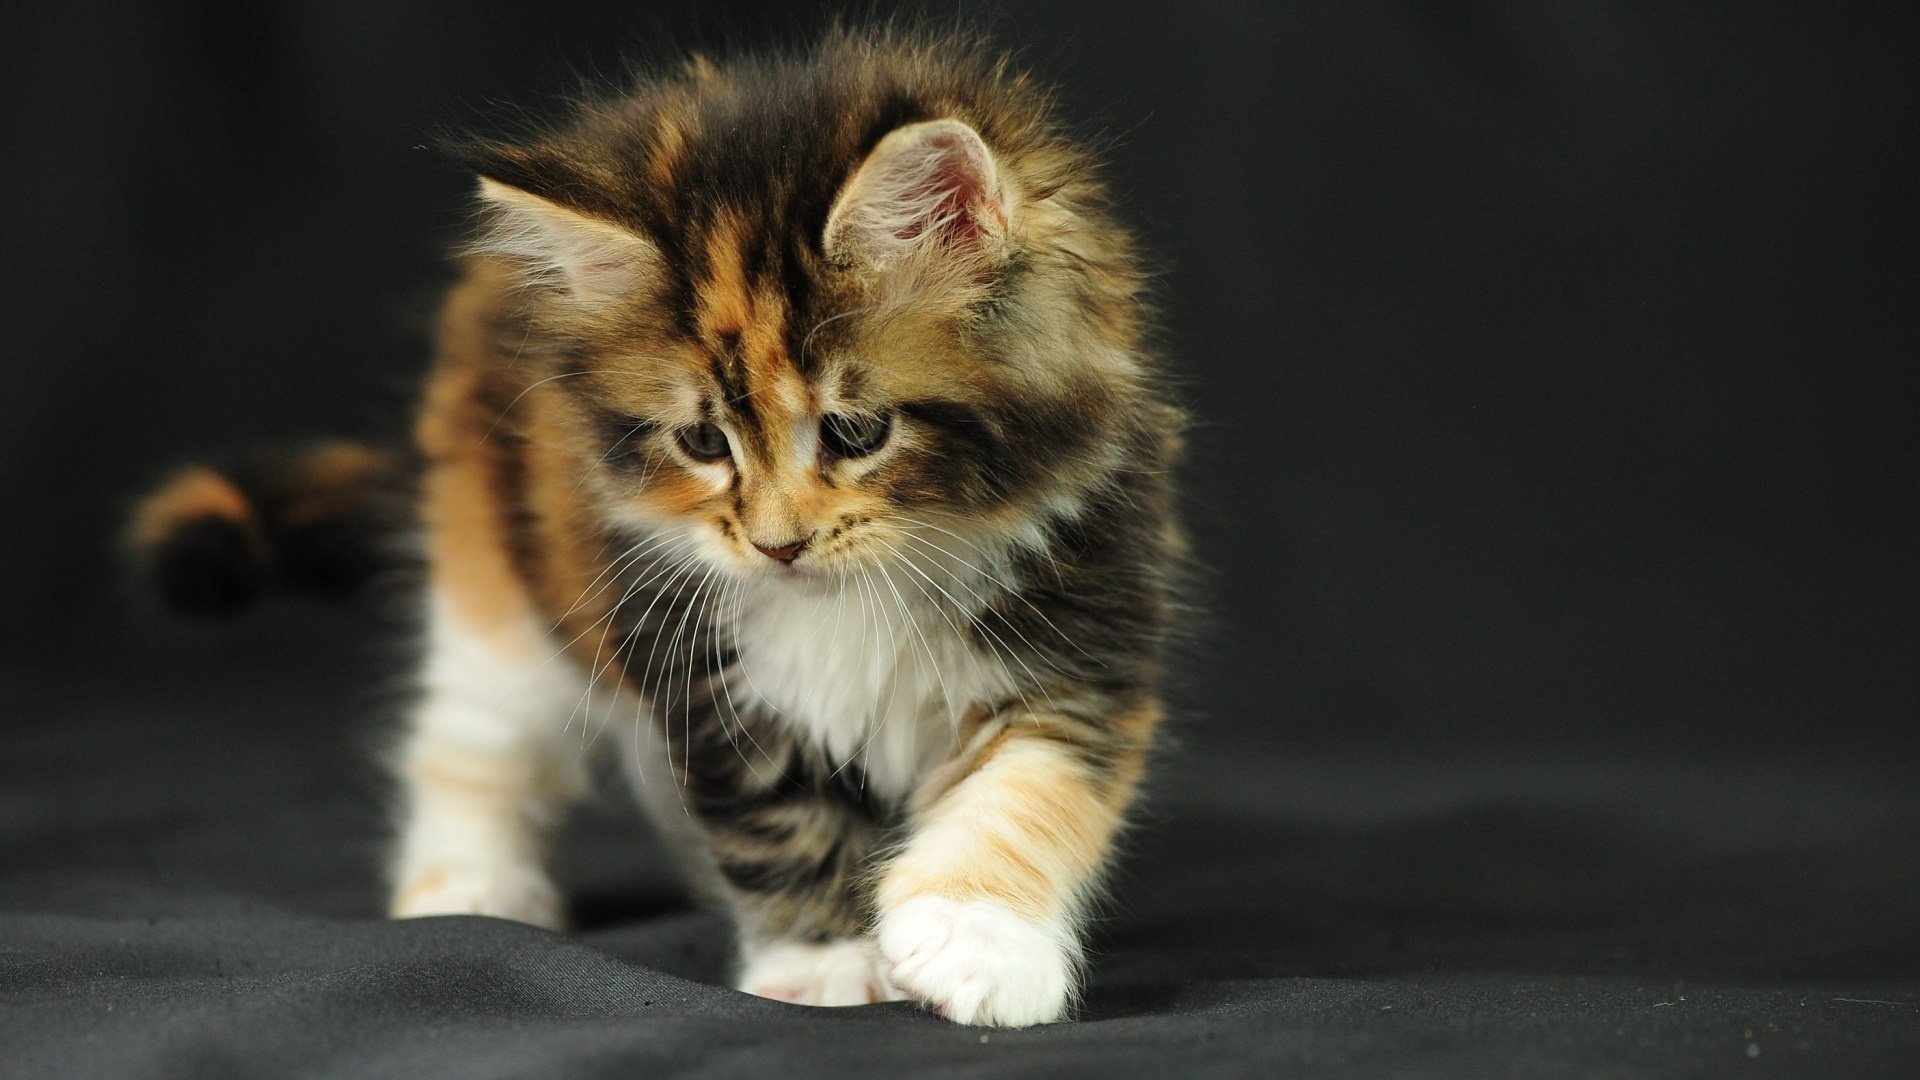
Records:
x=321, y=519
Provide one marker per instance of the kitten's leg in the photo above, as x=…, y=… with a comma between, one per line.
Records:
x=788, y=848
x=794, y=872
x=485, y=770
x=979, y=913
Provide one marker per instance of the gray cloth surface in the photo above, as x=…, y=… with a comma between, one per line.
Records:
x=189, y=887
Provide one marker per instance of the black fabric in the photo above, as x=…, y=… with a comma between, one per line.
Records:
x=1556, y=463
x=191, y=889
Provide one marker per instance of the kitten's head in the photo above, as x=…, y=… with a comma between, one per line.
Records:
x=816, y=311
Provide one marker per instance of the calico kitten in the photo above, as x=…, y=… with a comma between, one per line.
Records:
x=794, y=434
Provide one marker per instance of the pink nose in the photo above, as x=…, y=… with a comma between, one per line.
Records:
x=784, y=553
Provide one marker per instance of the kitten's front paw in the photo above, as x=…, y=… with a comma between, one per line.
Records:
x=520, y=893
x=832, y=973
x=976, y=962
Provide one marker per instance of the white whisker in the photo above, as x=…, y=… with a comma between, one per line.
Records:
x=1010, y=590
x=975, y=622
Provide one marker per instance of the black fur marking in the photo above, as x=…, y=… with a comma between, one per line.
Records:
x=507, y=478
x=625, y=438
x=797, y=284
x=784, y=875
x=208, y=566
x=729, y=375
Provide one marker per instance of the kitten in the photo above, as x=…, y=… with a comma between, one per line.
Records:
x=794, y=434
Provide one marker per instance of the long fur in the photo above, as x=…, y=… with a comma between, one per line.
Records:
x=900, y=751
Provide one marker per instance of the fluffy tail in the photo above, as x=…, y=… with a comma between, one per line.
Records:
x=320, y=519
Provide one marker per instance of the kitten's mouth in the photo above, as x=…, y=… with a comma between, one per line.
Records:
x=810, y=577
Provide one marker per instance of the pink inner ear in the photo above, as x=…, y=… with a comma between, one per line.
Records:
x=952, y=190
x=929, y=189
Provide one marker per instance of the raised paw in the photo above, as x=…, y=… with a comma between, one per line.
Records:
x=976, y=962
x=522, y=894
x=830, y=973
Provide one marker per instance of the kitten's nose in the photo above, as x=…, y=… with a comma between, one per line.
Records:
x=783, y=553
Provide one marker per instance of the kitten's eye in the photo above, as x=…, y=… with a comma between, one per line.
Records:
x=706, y=442
x=854, y=436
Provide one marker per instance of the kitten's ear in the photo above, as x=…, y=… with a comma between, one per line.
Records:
x=929, y=192
x=590, y=259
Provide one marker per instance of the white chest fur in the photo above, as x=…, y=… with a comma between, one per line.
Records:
x=874, y=674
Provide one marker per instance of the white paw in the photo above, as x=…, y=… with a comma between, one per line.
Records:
x=976, y=962
x=520, y=893
x=834, y=973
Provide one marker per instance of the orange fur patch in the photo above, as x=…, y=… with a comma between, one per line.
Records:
x=484, y=780
x=333, y=475
x=726, y=297
x=468, y=556
x=670, y=142
x=425, y=883
x=1027, y=827
x=191, y=495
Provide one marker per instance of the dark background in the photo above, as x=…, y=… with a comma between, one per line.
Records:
x=1552, y=359
x=1556, y=467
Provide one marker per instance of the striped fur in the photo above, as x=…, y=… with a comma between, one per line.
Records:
x=902, y=749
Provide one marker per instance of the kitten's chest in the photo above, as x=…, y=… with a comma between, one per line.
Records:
x=868, y=678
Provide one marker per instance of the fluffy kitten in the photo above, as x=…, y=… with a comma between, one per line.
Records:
x=793, y=432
